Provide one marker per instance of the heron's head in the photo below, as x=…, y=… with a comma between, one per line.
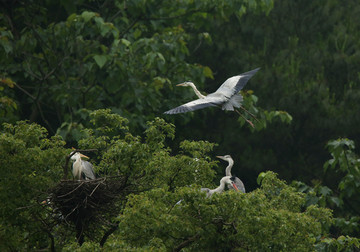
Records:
x=232, y=183
x=227, y=180
x=78, y=155
x=226, y=157
x=185, y=84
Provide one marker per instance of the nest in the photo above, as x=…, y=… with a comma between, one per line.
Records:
x=89, y=204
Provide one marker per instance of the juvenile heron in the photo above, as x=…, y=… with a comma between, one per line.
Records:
x=226, y=96
x=82, y=169
x=228, y=180
x=239, y=184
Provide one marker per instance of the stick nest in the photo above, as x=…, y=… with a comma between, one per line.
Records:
x=89, y=204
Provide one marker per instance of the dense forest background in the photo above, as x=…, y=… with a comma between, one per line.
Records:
x=100, y=74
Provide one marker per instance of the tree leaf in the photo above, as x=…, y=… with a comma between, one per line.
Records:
x=87, y=15
x=208, y=73
x=100, y=60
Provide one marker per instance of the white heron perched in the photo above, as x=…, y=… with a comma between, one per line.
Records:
x=239, y=184
x=82, y=169
x=226, y=96
x=228, y=180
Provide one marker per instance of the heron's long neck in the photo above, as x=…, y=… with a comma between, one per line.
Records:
x=76, y=167
x=78, y=160
x=220, y=188
x=197, y=92
x=228, y=168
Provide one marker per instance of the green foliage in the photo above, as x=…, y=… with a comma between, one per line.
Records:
x=7, y=105
x=165, y=208
x=342, y=196
x=123, y=56
x=33, y=163
x=69, y=58
x=346, y=161
x=227, y=221
x=264, y=117
x=30, y=163
x=342, y=243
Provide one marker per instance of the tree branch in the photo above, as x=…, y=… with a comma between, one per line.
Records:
x=108, y=233
x=187, y=242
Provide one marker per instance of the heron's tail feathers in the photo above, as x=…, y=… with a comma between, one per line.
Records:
x=234, y=102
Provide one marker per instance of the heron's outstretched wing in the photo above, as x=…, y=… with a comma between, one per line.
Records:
x=234, y=84
x=197, y=104
x=88, y=170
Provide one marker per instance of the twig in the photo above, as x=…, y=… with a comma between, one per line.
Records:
x=73, y=210
x=94, y=189
x=26, y=92
x=186, y=242
x=71, y=191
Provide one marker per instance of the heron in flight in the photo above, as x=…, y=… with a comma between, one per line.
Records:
x=226, y=96
x=82, y=169
x=228, y=180
x=239, y=184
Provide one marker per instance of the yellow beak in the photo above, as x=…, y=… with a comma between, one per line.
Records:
x=83, y=156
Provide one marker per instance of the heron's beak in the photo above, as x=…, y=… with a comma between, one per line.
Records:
x=180, y=85
x=235, y=187
x=83, y=156
x=222, y=157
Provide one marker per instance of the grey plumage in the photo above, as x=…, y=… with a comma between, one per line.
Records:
x=88, y=171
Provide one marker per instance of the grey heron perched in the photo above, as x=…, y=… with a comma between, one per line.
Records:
x=228, y=180
x=226, y=96
x=82, y=169
x=239, y=184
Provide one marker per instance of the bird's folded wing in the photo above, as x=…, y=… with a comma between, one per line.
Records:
x=239, y=184
x=88, y=170
x=195, y=105
x=234, y=84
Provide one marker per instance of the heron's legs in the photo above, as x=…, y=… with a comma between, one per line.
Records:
x=248, y=121
x=247, y=111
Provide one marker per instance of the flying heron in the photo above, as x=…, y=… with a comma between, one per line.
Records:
x=239, y=184
x=82, y=169
x=226, y=96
